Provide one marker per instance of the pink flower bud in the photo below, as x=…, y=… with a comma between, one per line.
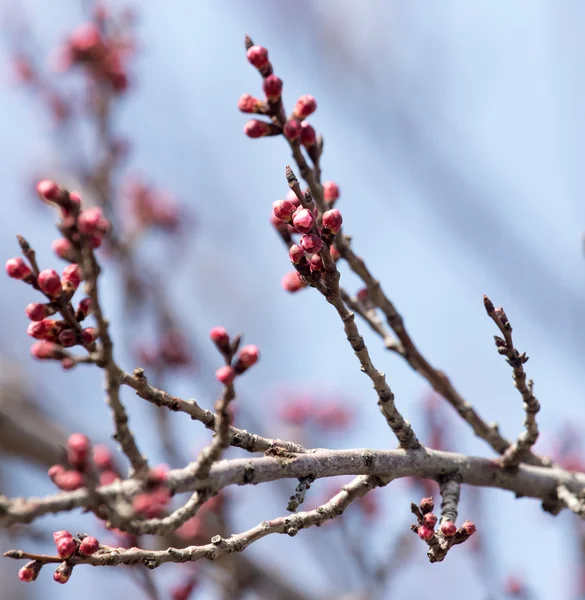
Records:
x=311, y=243
x=257, y=129
x=283, y=210
x=36, y=311
x=316, y=263
x=272, y=87
x=85, y=38
x=225, y=375
x=48, y=190
x=219, y=336
x=278, y=224
x=62, y=248
x=49, y=283
x=334, y=253
x=66, y=547
x=59, y=535
x=430, y=520
x=424, y=533
x=290, y=195
x=448, y=528
x=67, y=363
x=72, y=275
x=17, y=268
x=44, y=349
x=258, y=56
x=426, y=505
x=332, y=220
x=248, y=355
x=108, y=477
x=75, y=197
x=68, y=338
x=40, y=330
x=84, y=306
x=292, y=282
x=296, y=254
x=292, y=130
x=305, y=106
x=469, y=528
x=89, y=545
x=78, y=447
x=89, y=335
x=330, y=191
x=303, y=220
x=249, y=104
x=69, y=481
x=308, y=135
x=102, y=457
x=30, y=571
x=158, y=475
x=54, y=472
x=94, y=241
x=92, y=222
x=62, y=573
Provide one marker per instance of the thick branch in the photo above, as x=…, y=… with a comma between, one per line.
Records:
x=529, y=481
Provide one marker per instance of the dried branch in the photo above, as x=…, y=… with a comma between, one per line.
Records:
x=516, y=453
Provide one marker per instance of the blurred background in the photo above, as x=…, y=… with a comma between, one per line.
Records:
x=454, y=132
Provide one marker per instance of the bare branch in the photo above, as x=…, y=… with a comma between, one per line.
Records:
x=239, y=438
x=516, y=453
x=572, y=501
x=219, y=546
x=122, y=435
x=331, y=291
x=450, y=492
x=529, y=481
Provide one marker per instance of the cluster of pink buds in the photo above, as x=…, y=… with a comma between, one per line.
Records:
x=152, y=503
x=306, y=410
x=102, y=53
x=316, y=235
x=448, y=532
x=244, y=358
x=151, y=207
x=79, y=461
x=79, y=226
x=67, y=546
x=103, y=461
x=294, y=127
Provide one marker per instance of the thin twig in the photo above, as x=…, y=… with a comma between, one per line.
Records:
x=516, y=453
x=122, y=435
x=239, y=438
